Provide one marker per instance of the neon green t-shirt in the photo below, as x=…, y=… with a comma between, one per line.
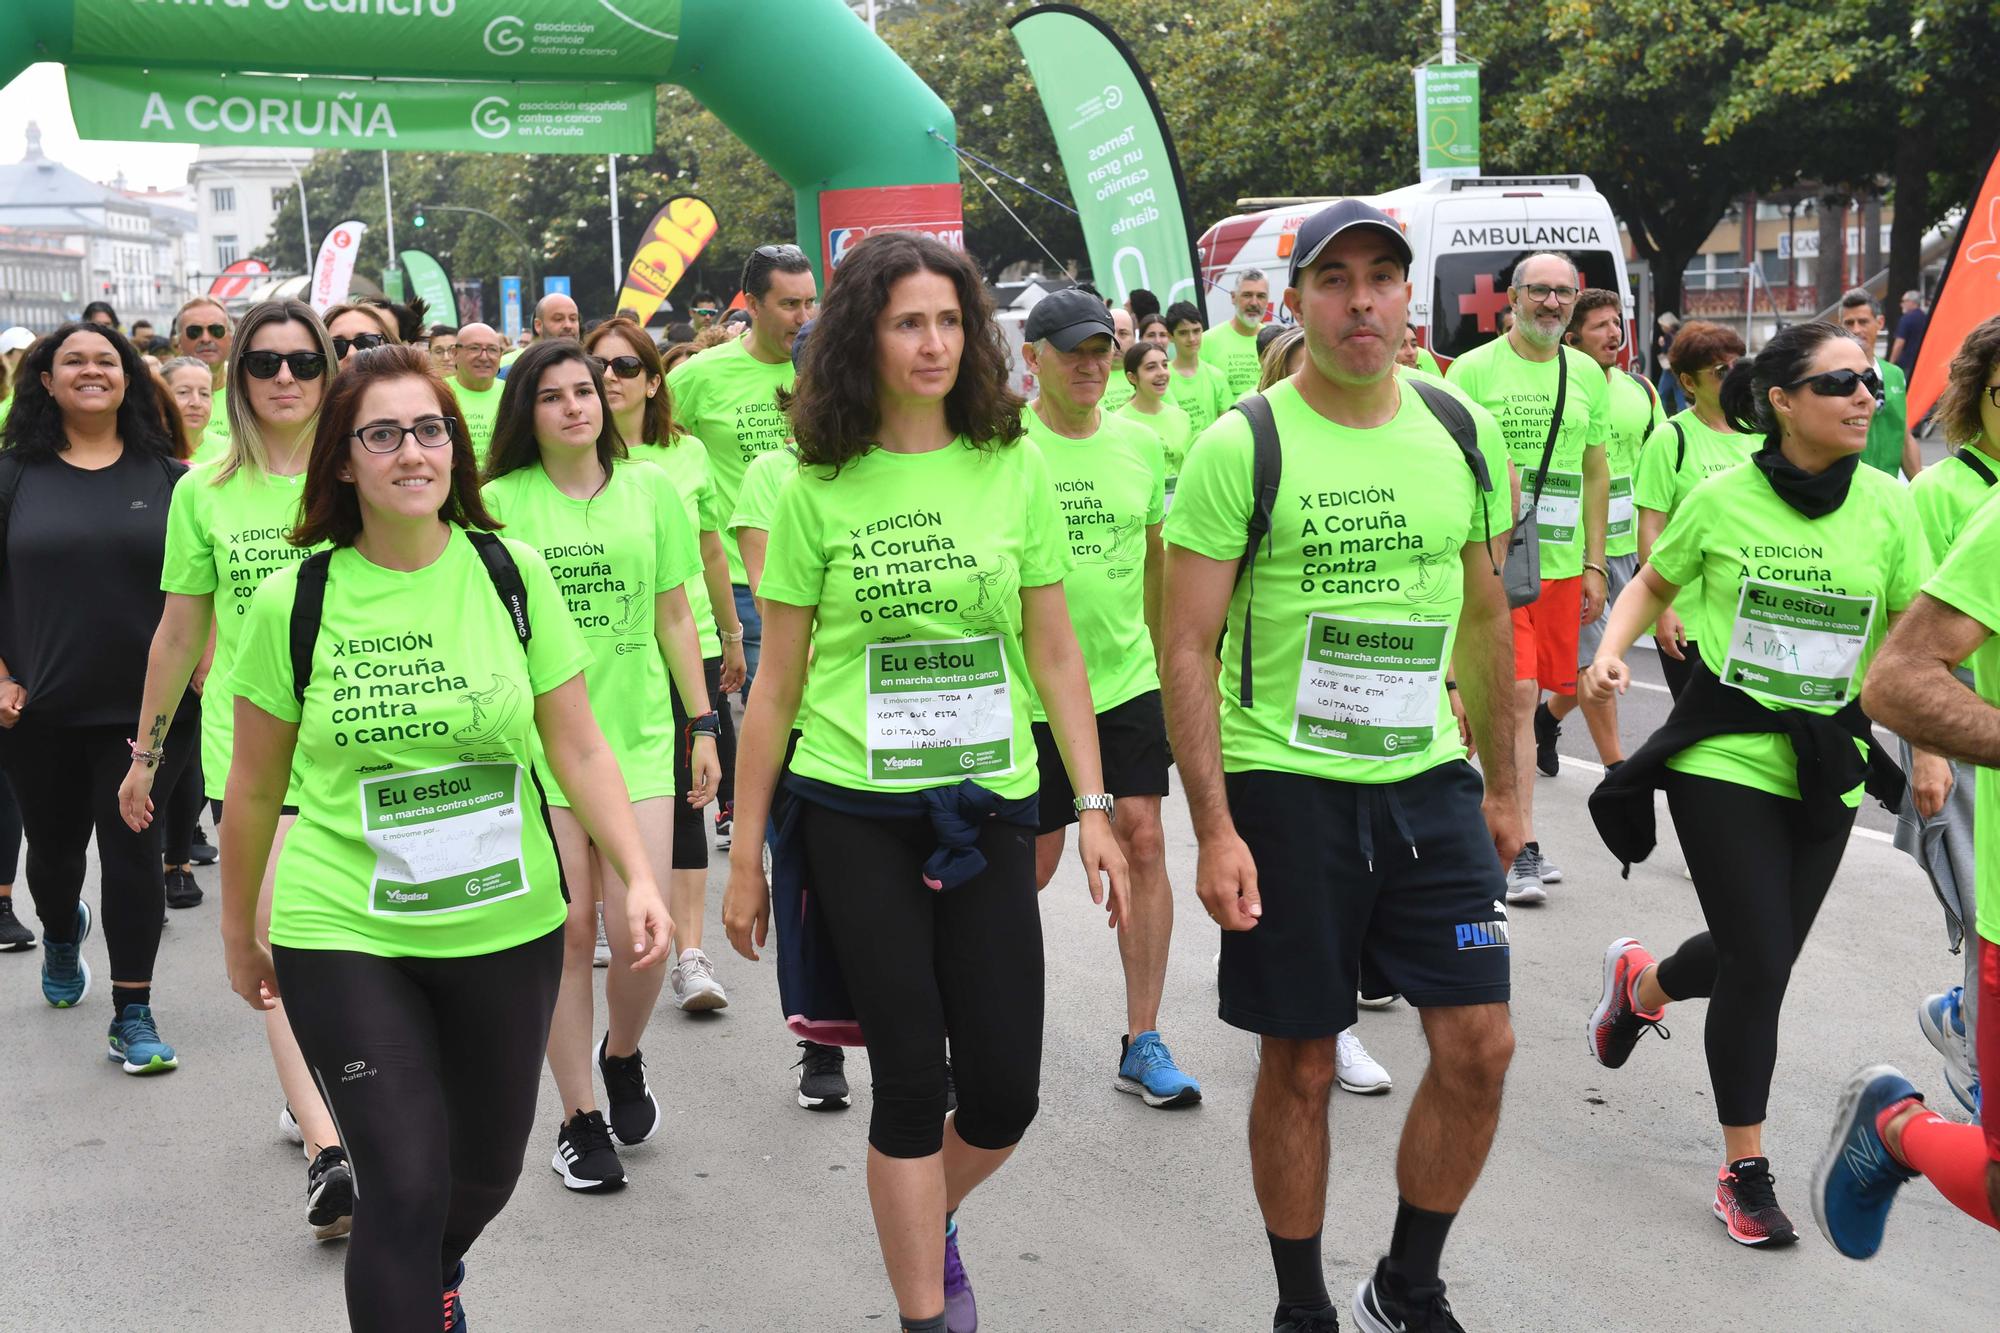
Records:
x=1175, y=431
x=1965, y=581
x=1234, y=354
x=1674, y=462
x=1204, y=396
x=214, y=441
x=1632, y=416
x=223, y=542
x=1521, y=395
x=1792, y=608
x=1111, y=488
x=610, y=557
x=1948, y=494
x=1428, y=363
x=763, y=482
x=686, y=462
x=915, y=565
x=419, y=832
x=1884, y=450
x=1358, y=597
x=1118, y=390
x=481, y=409
x=728, y=398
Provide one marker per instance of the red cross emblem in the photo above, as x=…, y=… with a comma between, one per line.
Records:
x=1484, y=302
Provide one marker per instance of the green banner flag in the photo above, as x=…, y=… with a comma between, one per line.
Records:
x=1447, y=121
x=278, y=111
x=1115, y=150
x=429, y=278
x=489, y=39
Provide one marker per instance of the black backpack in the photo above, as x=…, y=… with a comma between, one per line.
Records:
x=1970, y=457
x=1267, y=468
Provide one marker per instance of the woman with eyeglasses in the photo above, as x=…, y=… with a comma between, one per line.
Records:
x=635, y=389
x=86, y=479
x=1803, y=560
x=620, y=550
x=409, y=678
x=357, y=326
x=227, y=535
x=1683, y=451
x=201, y=330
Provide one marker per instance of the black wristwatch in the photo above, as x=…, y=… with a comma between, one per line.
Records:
x=707, y=724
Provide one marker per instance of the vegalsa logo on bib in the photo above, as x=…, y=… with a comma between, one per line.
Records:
x=490, y=119
x=503, y=36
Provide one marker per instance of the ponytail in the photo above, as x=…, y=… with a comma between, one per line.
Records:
x=1745, y=397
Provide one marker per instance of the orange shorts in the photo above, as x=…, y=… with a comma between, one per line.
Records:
x=1545, y=635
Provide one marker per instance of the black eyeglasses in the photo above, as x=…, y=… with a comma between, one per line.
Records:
x=361, y=342
x=624, y=367
x=1993, y=394
x=1840, y=383
x=1539, y=292
x=264, y=365
x=386, y=437
x=194, y=331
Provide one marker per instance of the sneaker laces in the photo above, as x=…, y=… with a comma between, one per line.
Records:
x=1433, y=1315
x=955, y=1279
x=624, y=1075
x=697, y=966
x=1755, y=1188
x=588, y=1132
x=138, y=1027
x=1348, y=1048
x=820, y=1059
x=1151, y=1052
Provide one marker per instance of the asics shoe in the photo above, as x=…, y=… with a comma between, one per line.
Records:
x=1524, y=882
x=14, y=937
x=1856, y=1179
x=961, y=1313
x=1617, y=1023
x=1746, y=1201
x=1547, y=730
x=694, y=985
x=1147, y=1069
x=635, y=1112
x=65, y=972
x=134, y=1042
x=330, y=1194
x=1355, y=1069
x=1942, y=1017
x=584, y=1157
x=822, y=1077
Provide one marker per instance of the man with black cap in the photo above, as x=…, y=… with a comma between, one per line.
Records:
x=1344, y=840
x=1110, y=475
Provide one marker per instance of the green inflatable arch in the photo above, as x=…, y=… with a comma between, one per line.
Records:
x=803, y=83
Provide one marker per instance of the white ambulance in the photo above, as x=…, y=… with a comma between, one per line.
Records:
x=1467, y=234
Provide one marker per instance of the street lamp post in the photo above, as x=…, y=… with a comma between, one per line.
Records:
x=522, y=241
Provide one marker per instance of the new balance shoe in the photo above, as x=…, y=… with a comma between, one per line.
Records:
x=1550, y=872
x=725, y=824
x=288, y=1127
x=1355, y=1069
x=822, y=1077
x=1547, y=730
x=1856, y=1179
x=601, y=956
x=14, y=937
x=1746, y=1201
x=961, y=1312
x=635, y=1113
x=584, y=1157
x=182, y=891
x=1942, y=1018
x=694, y=985
x=1618, y=1022
x=1146, y=1068
x=134, y=1042
x=1382, y=1304
x=1524, y=883
x=65, y=971
x=454, y=1305
x=201, y=851
x=330, y=1194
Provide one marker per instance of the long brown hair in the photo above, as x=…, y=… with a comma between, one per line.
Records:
x=1965, y=383
x=514, y=445
x=657, y=426
x=330, y=509
x=833, y=409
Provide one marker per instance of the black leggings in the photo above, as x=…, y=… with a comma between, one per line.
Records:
x=1761, y=875
x=690, y=824
x=919, y=964
x=182, y=808
x=1677, y=670
x=10, y=832
x=430, y=1067
x=66, y=781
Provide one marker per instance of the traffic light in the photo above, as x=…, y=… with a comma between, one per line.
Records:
x=418, y=221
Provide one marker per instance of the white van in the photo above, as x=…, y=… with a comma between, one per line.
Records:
x=1467, y=234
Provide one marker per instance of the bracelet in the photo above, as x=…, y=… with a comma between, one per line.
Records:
x=151, y=758
x=1602, y=572
x=727, y=637
x=10, y=680
x=1451, y=685
x=705, y=724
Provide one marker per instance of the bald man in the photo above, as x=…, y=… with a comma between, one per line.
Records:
x=475, y=381
x=556, y=316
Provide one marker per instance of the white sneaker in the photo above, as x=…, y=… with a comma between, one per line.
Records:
x=1357, y=1070
x=288, y=1127
x=693, y=980
x=603, y=955
x=1524, y=883
x=1378, y=1001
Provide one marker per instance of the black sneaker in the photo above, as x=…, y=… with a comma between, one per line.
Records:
x=1382, y=1304
x=330, y=1194
x=1746, y=1201
x=584, y=1156
x=822, y=1077
x=635, y=1114
x=1290, y=1319
x=1547, y=729
x=182, y=891
x=201, y=851
x=14, y=937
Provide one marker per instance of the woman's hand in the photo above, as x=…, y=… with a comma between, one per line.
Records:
x=1097, y=846
x=1671, y=635
x=135, y=796
x=707, y=771
x=746, y=903
x=1606, y=679
x=13, y=698
x=647, y=920
x=251, y=973
x=733, y=668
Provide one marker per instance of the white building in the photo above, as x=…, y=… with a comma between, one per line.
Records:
x=238, y=192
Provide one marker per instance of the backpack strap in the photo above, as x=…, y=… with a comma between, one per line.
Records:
x=1681, y=448
x=308, y=604
x=506, y=576
x=1267, y=467
x=1458, y=423
x=1652, y=400
x=1970, y=457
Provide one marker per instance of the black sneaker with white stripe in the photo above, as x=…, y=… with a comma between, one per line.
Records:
x=822, y=1077
x=330, y=1194
x=584, y=1156
x=635, y=1113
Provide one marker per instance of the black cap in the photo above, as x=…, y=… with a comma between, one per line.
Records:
x=1331, y=221
x=1067, y=317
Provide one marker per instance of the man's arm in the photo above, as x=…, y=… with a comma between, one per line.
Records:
x=1483, y=665
x=1596, y=517
x=1911, y=689
x=1896, y=349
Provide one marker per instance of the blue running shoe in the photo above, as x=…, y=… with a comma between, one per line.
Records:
x=135, y=1043
x=65, y=974
x=1857, y=1179
x=454, y=1308
x=1147, y=1068
x=1942, y=1018
x=961, y=1313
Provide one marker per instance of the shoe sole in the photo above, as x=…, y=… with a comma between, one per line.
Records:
x=1377, y=1001
x=702, y=1001
x=1778, y=1242
x=1527, y=897
x=154, y=1066
x=82, y=964
x=1185, y=1097
x=1843, y=1129
x=1551, y=877
x=1604, y=999
x=1946, y=1043
x=651, y=1101
x=1366, y=1089
x=1364, y=1319
x=334, y=1230
x=823, y=1103
x=581, y=1185
x=18, y=946
x=330, y=1208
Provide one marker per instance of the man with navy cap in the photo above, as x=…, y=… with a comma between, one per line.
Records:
x=1344, y=840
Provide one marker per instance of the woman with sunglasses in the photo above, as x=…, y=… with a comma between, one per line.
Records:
x=86, y=479
x=1681, y=452
x=225, y=536
x=408, y=678
x=635, y=390
x=1803, y=560
x=358, y=327
x=620, y=550
x=1149, y=370
x=201, y=330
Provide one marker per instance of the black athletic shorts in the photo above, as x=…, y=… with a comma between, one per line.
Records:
x=1132, y=747
x=1389, y=888
x=691, y=822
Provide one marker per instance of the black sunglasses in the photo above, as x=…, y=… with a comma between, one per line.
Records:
x=624, y=367
x=360, y=342
x=1840, y=383
x=193, y=331
x=264, y=365
x=779, y=252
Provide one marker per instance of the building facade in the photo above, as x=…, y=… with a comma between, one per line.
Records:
x=237, y=194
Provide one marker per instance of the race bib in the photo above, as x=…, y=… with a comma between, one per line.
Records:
x=1560, y=508
x=938, y=710
x=1796, y=644
x=445, y=839
x=1620, y=523
x=1368, y=689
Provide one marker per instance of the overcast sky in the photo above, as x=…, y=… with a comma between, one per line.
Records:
x=39, y=94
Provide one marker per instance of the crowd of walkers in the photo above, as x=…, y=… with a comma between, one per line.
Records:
x=458, y=649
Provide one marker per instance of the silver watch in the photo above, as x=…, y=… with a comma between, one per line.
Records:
x=1096, y=801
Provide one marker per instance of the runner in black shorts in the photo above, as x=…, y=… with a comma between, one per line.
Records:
x=1344, y=840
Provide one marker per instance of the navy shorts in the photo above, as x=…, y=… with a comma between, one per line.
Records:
x=1389, y=888
x=1131, y=747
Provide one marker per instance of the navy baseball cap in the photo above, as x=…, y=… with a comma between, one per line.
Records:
x=1337, y=217
x=1067, y=317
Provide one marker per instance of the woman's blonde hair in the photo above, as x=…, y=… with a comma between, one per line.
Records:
x=246, y=436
